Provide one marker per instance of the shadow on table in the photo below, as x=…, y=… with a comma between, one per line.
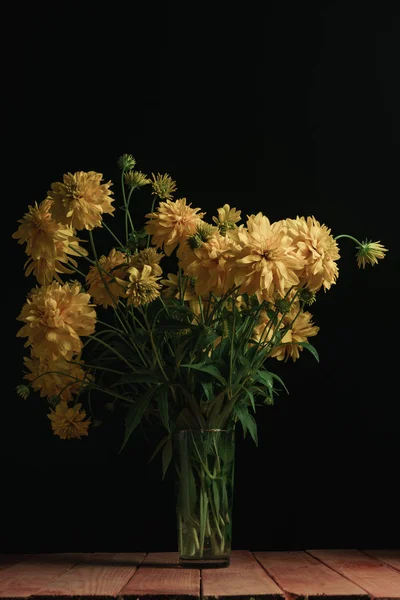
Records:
x=106, y=561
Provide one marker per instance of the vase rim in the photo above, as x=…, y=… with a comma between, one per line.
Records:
x=200, y=430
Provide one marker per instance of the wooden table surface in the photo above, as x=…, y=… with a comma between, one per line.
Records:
x=309, y=574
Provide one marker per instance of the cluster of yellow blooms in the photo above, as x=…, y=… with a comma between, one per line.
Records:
x=270, y=260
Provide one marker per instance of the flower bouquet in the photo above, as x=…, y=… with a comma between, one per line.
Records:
x=191, y=346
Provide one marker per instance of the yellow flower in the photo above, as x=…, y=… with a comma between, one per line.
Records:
x=301, y=328
x=81, y=200
x=163, y=186
x=135, y=179
x=317, y=248
x=99, y=281
x=210, y=264
x=55, y=316
x=143, y=287
x=172, y=223
x=47, y=243
x=147, y=256
x=369, y=253
x=227, y=218
x=53, y=377
x=68, y=422
x=266, y=264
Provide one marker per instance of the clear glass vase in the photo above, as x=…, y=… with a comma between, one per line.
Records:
x=204, y=463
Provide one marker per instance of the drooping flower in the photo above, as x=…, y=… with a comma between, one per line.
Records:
x=210, y=265
x=23, y=391
x=81, y=200
x=172, y=223
x=301, y=328
x=47, y=243
x=265, y=263
x=55, y=317
x=126, y=161
x=316, y=247
x=265, y=329
x=106, y=285
x=203, y=233
x=68, y=421
x=136, y=179
x=369, y=253
x=142, y=287
x=163, y=186
x=227, y=218
x=172, y=290
x=54, y=377
x=147, y=256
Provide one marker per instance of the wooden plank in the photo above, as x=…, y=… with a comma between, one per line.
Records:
x=302, y=575
x=160, y=575
x=244, y=578
x=389, y=557
x=376, y=578
x=6, y=560
x=24, y=578
x=102, y=574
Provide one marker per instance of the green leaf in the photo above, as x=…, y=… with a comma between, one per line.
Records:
x=181, y=349
x=274, y=376
x=193, y=406
x=135, y=415
x=158, y=448
x=216, y=496
x=250, y=395
x=166, y=456
x=187, y=488
x=310, y=348
x=214, y=409
x=247, y=421
x=208, y=389
x=266, y=378
x=210, y=369
x=162, y=404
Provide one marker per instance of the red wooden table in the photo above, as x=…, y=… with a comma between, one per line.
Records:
x=333, y=574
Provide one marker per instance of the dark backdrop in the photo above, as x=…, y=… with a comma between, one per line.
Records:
x=292, y=109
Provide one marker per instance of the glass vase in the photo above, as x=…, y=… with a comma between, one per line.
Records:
x=204, y=463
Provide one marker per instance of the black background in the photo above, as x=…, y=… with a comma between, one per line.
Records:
x=291, y=108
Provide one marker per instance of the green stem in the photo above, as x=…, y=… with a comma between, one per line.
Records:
x=125, y=204
x=75, y=379
x=203, y=512
x=128, y=216
x=92, y=262
x=101, y=270
x=97, y=367
x=108, y=325
x=78, y=271
x=234, y=296
x=113, y=394
x=215, y=516
x=155, y=350
x=180, y=531
x=271, y=343
x=113, y=234
x=92, y=337
x=152, y=210
x=344, y=235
